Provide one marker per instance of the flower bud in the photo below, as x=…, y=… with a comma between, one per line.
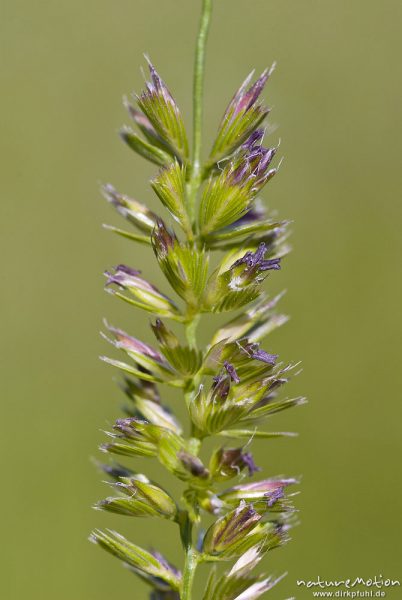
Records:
x=146, y=295
x=149, y=566
x=248, y=269
x=185, y=360
x=154, y=364
x=145, y=402
x=249, y=167
x=132, y=210
x=238, y=279
x=243, y=115
x=144, y=499
x=133, y=437
x=228, y=462
x=170, y=187
x=226, y=534
x=223, y=405
x=230, y=195
x=266, y=495
x=158, y=105
x=185, y=269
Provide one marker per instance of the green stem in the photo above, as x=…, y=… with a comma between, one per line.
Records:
x=191, y=329
x=186, y=526
x=196, y=172
x=191, y=558
x=190, y=566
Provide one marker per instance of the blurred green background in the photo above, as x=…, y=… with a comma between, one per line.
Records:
x=336, y=96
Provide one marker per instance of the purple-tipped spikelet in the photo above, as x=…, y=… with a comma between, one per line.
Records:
x=232, y=386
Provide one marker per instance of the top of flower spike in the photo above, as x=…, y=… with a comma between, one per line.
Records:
x=245, y=98
x=156, y=86
x=243, y=115
x=163, y=115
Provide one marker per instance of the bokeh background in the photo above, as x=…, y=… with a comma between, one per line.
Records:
x=336, y=97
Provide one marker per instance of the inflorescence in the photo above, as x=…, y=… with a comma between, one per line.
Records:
x=230, y=387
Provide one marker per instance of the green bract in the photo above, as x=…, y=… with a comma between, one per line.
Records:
x=163, y=116
x=146, y=565
x=170, y=186
x=231, y=386
x=144, y=499
x=243, y=115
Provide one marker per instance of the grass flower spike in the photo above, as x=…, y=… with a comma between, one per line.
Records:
x=211, y=214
